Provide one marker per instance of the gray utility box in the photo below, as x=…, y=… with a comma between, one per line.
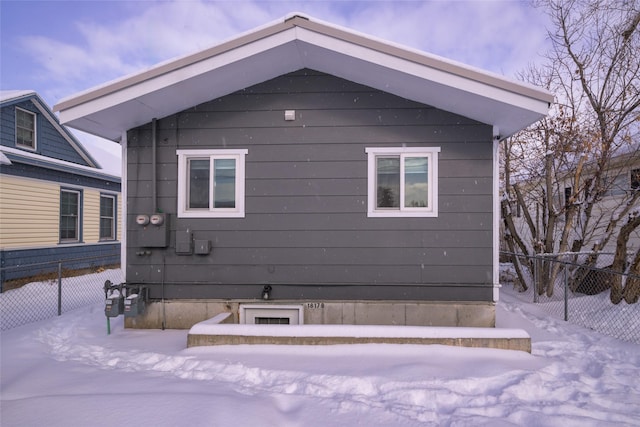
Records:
x=133, y=305
x=114, y=306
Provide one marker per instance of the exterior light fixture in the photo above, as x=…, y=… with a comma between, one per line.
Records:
x=266, y=291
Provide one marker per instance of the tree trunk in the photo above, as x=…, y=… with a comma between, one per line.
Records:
x=631, y=292
x=620, y=258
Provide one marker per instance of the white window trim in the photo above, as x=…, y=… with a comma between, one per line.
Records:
x=35, y=130
x=79, y=219
x=431, y=153
x=183, y=183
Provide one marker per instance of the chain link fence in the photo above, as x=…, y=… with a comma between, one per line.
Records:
x=576, y=289
x=51, y=289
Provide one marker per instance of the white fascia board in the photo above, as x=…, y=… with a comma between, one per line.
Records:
x=175, y=77
x=421, y=71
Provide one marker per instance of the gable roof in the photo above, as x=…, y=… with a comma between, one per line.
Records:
x=8, y=97
x=295, y=43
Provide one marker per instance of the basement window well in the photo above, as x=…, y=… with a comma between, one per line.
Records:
x=271, y=314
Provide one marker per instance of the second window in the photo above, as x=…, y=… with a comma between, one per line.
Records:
x=403, y=181
x=211, y=183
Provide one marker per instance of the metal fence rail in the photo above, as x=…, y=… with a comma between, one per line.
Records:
x=580, y=293
x=44, y=295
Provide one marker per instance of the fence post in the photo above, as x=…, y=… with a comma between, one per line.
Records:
x=566, y=294
x=59, y=288
x=535, y=279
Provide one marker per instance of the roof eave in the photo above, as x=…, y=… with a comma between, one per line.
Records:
x=294, y=44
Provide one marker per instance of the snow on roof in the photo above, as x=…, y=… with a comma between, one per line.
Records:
x=23, y=156
x=10, y=95
x=291, y=44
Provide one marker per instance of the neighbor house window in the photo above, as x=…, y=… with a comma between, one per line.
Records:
x=211, y=183
x=403, y=181
x=635, y=179
x=70, y=203
x=107, y=217
x=616, y=186
x=25, y=129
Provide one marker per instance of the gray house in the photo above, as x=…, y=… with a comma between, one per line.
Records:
x=305, y=173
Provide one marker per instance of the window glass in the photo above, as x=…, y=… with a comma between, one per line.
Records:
x=107, y=217
x=225, y=183
x=199, y=183
x=616, y=186
x=25, y=128
x=69, y=215
x=416, y=182
x=388, y=182
x=635, y=179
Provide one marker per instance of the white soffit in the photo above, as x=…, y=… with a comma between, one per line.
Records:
x=298, y=43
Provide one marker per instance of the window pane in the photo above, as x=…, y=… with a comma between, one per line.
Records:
x=106, y=206
x=198, y=184
x=107, y=217
x=69, y=215
x=635, y=179
x=225, y=183
x=388, y=182
x=25, y=128
x=416, y=185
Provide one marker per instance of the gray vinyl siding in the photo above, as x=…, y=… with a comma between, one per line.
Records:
x=306, y=230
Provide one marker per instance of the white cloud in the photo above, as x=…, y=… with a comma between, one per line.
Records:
x=500, y=36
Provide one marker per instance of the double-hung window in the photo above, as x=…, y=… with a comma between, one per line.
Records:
x=25, y=129
x=70, y=214
x=107, y=217
x=211, y=183
x=403, y=181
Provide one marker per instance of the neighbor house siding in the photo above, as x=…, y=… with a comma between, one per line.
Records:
x=49, y=141
x=29, y=212
x=306, y=229
x=91, y=216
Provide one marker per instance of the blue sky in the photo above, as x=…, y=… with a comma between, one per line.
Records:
x=59, y=48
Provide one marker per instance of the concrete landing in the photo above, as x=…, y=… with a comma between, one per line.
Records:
x=214, y=332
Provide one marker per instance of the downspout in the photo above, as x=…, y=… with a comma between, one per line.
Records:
x=154, y=184
x=496, y=214
x=123, y=204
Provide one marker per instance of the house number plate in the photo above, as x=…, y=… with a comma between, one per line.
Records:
x=314, y=305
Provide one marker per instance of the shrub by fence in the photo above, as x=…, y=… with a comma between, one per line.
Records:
x=580, y=293
x=40, y=296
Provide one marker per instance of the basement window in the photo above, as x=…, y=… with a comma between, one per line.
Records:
x=211, y=183
x=262, y=314
x=402, y=181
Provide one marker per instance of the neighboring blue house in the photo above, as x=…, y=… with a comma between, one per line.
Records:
x=56, y=202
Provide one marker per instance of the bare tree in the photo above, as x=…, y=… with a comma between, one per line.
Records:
x=562, y=168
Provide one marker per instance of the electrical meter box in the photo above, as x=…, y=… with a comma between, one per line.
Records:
x=133, y=305
x=152, y=230
x=114, y=306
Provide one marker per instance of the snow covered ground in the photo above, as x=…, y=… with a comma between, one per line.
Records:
x=68, y=372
